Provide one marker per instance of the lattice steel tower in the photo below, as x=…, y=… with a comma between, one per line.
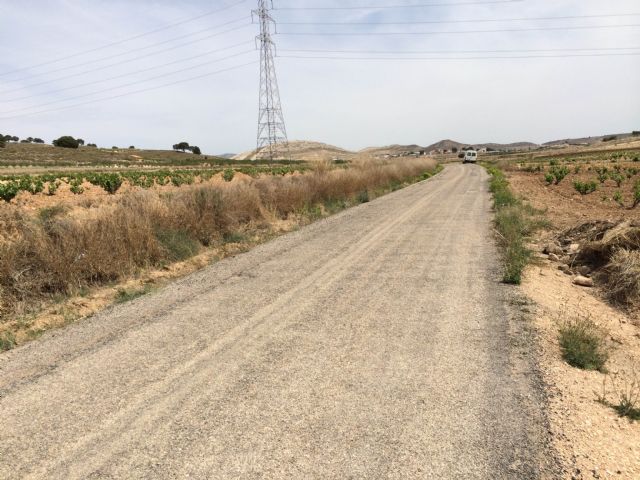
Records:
x=272, y=135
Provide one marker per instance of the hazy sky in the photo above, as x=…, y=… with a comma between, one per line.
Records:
x=350, y=103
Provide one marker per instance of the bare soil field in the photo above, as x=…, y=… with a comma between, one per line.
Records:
x=591, y=435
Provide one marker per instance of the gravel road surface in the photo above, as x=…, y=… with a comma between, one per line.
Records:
x=377, y=343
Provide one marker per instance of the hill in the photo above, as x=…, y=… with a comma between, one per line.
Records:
x=306, y=150
x=590, y=141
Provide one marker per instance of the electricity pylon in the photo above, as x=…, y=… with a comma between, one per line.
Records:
x=272, y=141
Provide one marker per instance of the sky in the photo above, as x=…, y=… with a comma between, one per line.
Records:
x=123, y=72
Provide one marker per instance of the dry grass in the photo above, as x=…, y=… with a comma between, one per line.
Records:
x=622, y=277
x=58, y=253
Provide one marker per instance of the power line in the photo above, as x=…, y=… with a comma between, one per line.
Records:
x=453, y=32
x=387, y=7
x=119, y=42
x=569, y=55
x=131, y=93
x=480, y=20
x=414, y=52
x=98, y=60
x=167, y=74
x=128, y=74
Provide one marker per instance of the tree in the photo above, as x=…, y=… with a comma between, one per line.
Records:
x=196, y=150
x=92, y=145
x=184, y=146
x=15, y=139
x=29, y=139
x=66, y=142
x=80, y=141
x=454, y=150
x=132, y=147
x=2, y=142
x=38, y=140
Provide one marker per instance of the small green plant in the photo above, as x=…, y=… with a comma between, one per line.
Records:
x=636, y=194
x=603, y=174
x=584, y=188
x=577, y=169
x=617, y=196
x=583, y=344
x=76, y=186
x=559, y=173
x=549, y=178
x=53, y=187
x=533, y=168
x=110, y=182
x=9, y=190
x=363, y=196
x=228, y=174
x=124, y=295
x=7, y=341
x=618, y=178
x=234, y=237
x=553, y=163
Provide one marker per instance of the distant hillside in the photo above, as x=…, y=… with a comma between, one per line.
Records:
x=589, y=140
x=389, y=150
x=308, y=151
x=314, y=151
x=451, y=144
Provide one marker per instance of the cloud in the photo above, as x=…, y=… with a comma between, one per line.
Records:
x=351, y=103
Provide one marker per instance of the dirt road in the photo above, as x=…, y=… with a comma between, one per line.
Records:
x=375, y=344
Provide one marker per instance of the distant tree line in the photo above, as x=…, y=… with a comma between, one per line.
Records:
x=184, y=146
x=13, y=138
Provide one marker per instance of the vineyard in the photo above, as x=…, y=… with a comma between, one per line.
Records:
x=17, y=155
x=110, y=182
x=597, y=184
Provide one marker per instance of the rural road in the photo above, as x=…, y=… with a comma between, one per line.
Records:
x=377, y=343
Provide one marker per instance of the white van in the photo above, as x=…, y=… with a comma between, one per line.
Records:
x=470, y=156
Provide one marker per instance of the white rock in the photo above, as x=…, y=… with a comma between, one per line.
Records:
x=583, y=281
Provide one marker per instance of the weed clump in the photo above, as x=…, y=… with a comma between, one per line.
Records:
x=514, y=222
x=626, y=390
x=583, y=344
x=124, y=295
